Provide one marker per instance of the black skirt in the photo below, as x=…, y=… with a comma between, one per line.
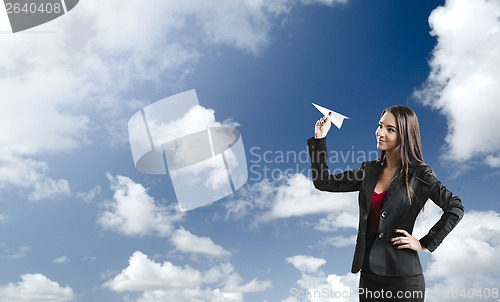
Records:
x=382, y=288
x=373, y=287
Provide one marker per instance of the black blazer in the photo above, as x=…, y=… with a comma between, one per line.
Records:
x=397, y=210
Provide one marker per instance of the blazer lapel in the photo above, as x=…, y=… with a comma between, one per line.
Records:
x=372, y=173
x=394, y=186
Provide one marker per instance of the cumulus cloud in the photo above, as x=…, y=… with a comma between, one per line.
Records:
x=299, y=197
x=464, y=77
x=315, y=285
x=467, y=258
x=23, y=172
x=197, y=118
x=75, y=86
x=466, y=261
x=35, y=288
x=294, y=196
x=134, y=212
x=168, y=282
x=306, y=264
x=187, y=242
x=339, y=241
x=338, y=220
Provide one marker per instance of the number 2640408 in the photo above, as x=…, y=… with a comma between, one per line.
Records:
x=33, y=8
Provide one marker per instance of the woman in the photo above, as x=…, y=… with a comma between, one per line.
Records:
x=392, y=191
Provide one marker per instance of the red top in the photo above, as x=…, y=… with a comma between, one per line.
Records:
x=374, y=215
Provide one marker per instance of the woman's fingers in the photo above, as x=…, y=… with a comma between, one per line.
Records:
x=399, y=240
x=322, y=127
x=402, y=239
x=407, y=241
x=404, y=246
x=323, y=120
x=404, y=232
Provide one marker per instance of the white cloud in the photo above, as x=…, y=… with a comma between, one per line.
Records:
x=344, y=288
x=294, y=196
x=493, y=161
x=219, y=296
x=232, y=282
x=89, y=195
x=315, y=285
x=168, y=282
x=135, y=213
x=324, y=2
x=467, y=258
x=339, y=241
x=88, y=258
x=35, y=288
x=187, y=242
x=464, y=77
x=71, y=86
x=338, y=220
x=299, y=197
x=249, y=199
x=21, y=171
x=209, y=175
x=62, y=259
x=143, y=273
x=197, y=118
x=306, y=264
x=75, y=86
x=19, y=253
x=48, y=188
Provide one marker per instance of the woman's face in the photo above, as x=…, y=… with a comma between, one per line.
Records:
x=387, y=133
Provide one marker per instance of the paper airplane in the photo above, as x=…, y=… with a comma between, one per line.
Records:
x=335, y=118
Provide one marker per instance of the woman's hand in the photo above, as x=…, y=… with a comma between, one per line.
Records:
x=407, y=241
x=322, y=126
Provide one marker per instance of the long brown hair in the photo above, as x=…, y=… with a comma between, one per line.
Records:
x=410, y=151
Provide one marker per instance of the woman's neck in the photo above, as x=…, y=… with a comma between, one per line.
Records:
x=392, y=159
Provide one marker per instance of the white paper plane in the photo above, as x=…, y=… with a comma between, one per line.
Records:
x=335, y=118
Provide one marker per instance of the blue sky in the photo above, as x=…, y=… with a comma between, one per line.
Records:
x=79, y=223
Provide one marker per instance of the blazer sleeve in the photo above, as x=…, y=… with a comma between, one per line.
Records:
x=449, y=203
x=322, y=179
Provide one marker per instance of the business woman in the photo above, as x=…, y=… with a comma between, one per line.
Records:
x=392, y=192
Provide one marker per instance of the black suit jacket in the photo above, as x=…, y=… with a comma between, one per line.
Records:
x=397, y=210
